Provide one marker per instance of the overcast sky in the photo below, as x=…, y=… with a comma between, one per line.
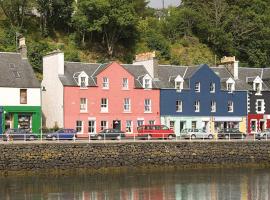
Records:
x=158, y=3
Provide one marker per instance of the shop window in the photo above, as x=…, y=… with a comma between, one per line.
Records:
x=25, y=121
x=151, y=122
x=254, y=125
x=194, y=125
x=23, y=96
x=172, y=124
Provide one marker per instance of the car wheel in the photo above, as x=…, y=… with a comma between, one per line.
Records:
x=227, y=137
x=54, y=138
x=170, y=137
x=210, y=137
x=99, y=137
x=193, y=137
x=31, y=138
x=149, y=137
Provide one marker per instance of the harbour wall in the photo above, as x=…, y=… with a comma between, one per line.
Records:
x=34, y=156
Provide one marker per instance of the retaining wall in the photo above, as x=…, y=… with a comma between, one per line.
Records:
x=33, y=156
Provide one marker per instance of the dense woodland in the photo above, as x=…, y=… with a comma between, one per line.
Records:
x=198, y=31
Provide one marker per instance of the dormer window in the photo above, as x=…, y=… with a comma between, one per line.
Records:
x=147, y=82
x=230, y=85
x=212, y=87
x=197, y=87
x=105, y=83
x=179, y=81
x=257, y=85
x=83, y=80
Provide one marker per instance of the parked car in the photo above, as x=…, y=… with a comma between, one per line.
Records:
x=61, y=134
x=231, y=134
x=196, y=134
x=263, y=135
x=110, y=134
x=155, y=131
x=18, y=134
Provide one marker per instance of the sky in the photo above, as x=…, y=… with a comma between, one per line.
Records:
x=158, y=3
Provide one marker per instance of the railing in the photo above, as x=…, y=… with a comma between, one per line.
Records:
x=57, y=137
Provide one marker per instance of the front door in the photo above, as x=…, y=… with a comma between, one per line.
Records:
x=261, y=125
x=117, y=124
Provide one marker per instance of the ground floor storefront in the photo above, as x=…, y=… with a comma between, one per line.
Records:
x=211, y=124
x=25, y=117
x=258, y=123
x=86, y=125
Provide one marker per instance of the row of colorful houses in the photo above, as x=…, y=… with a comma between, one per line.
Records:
x=90, y=97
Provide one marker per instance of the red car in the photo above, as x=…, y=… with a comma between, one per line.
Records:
x=155, y=131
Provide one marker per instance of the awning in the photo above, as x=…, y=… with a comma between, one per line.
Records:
x=228, y=119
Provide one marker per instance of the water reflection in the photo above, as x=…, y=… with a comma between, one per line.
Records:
x=237, y=184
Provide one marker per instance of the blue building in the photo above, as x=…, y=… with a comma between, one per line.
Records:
x=201, y=97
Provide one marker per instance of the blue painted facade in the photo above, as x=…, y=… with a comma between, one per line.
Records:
x=205, y=76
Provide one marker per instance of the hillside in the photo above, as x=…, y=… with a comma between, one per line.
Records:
x=102, y=30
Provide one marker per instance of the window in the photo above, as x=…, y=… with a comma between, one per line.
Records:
x=258, y=88
x=103, y=125
x=105, y=84
x=212, y=87
x=152, y=122
x=140, y=122
x=179, y=106
x=83, y=105
x=125, y=83
x=197, y=87
x=83, y=82
x=213, y=106
x=128, y=126
x=254, y=125
x=147, y=105
x=230, y=87
x=127, y=105
x=91, y=126
x=172, y=123
x=79, y=126
x=230, y=106
x=178, y=85
x=104, y=105
x=147, y=83
x=23, y=96
x=197, y=106
x=194, y=125
x=260, y=106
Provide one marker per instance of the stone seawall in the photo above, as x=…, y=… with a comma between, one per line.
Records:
x=32, y=156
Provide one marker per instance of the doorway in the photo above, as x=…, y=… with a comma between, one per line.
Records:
x=261, y=125
x=182, y=125
x=117, y=124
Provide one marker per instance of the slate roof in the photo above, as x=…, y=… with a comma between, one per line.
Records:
x=16, y=72
x=93, y=69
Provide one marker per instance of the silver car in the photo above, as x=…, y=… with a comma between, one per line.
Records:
x=196, y=134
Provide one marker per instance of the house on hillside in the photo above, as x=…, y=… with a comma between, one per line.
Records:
x=20, y=102
x=92, y=97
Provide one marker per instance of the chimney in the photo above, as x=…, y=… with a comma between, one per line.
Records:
x=53, y=63
x=149, y=61
x=231, y=64
x=22, y=48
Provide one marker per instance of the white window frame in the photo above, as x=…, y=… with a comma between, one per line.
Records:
x=104, y=105
x=213, y=106
x=83, y=83
x=147, y=106
x=148, y=79
x=197, y=87
x=230, y=106
x=129, y=125
x=179, y=83
x=151, y=122
x=79, y=127
x=139, y=122
x=125, y=85
x=84, y=105
x=127, y=105
x=230, y=85
x=92, y=127
x=179, y=106
x=257, y=82
x=256, y=125
x=105, y=83
x=212, y=87
x=102, y=126
x=262, y=106
x=197, y=106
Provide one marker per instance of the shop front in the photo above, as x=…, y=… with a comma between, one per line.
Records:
x=258, y=123
x=22, y=117
x=223, y=123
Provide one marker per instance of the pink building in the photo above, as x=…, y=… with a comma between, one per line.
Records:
x=91, y=97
